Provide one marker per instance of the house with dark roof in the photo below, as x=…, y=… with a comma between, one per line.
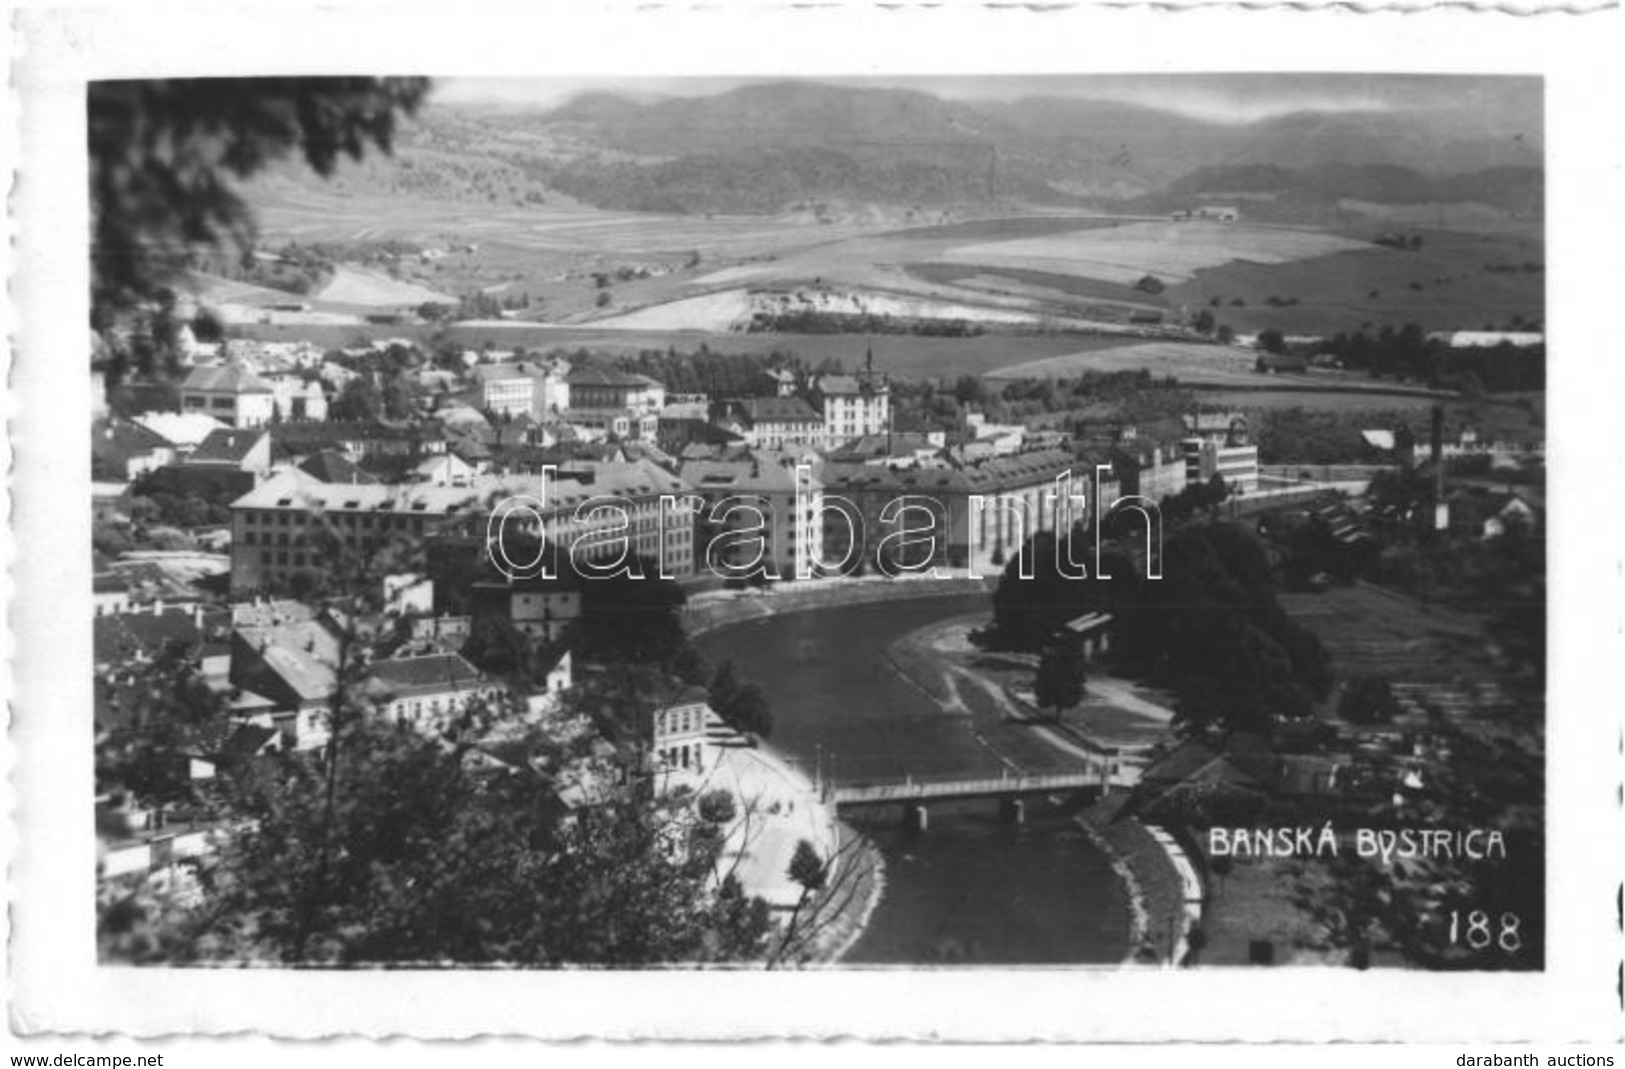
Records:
x=773, y=421
x=331, y=466
x=236, y=449
x=428, y=692
x=123, y=450
x=905, y=448
x=611, y=388
x=359, y=439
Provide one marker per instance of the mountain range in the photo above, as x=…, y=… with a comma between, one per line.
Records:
x=772, y=147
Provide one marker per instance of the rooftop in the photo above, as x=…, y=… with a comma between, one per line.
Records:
x=759, y=410
x=577, y=482
x=602, y=376
x=331, y=466
x=225, y=446
x=225, y=378
x=433, y=671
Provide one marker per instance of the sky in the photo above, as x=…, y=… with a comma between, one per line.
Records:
x=1220, y=98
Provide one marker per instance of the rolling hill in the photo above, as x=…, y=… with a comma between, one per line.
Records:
x=810, y=147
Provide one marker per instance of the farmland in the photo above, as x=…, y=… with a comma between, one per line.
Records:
x=1222, y=367
x=1443, y=285
x=1051, y=288
x=903, y=355
x=1373, y=400
x=1166, y=250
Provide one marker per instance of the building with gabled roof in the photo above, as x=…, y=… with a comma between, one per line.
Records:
x=331, y=466
x=231, y=393
x=773, y=421
x=241, y=449
x=610, y=388
x=428, y=692
x=122, y=449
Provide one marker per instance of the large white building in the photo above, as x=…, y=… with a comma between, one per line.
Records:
x=854, y=405
x=291, y=525
x=1218, y=443
x=230, y=393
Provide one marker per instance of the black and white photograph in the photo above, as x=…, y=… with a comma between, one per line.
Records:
x=866, y=524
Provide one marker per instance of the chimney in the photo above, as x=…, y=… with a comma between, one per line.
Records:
x=1441, y=510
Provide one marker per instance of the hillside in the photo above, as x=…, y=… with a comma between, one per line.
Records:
x=826, y=149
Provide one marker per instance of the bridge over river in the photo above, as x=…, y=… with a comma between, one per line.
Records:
x=913, y=795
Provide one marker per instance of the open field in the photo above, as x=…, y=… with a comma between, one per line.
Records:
x=354, y=285
x=1342, y=399
x=1442, y=286
x=1189, y=362
x=1167, y=250
x=581, y=266
x=1042, y=284
x=903, y=355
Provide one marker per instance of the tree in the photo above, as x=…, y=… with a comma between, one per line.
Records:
x=718, y=807
x=724, y=686
x=359, y=401
x=807, y=869
x=749, y=711
x=1224, y=334
x=1368, y=700
x=1060, y=681
x=164, y=155
x=1272, y=340
x=391, y=844
x=1204, y=322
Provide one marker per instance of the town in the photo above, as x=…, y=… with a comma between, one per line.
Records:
x=418, y=643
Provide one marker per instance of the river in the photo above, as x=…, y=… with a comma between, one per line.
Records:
x=972, y=889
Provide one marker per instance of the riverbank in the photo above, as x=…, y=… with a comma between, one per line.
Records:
x=842, y=914
x=714, y=609
x=1149, y=864
x=974, y=889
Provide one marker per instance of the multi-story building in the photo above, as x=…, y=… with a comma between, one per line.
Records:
x=1218, y=443
x=679, y=734
x=758, y=491
x=854, y=405
x=774, y=421
x=1148, y=469
x=539, y=608
x=428, y=692
x=231, y=393
x=980, y=512
x=291, y=525
x=505, y=390
x=607, y=388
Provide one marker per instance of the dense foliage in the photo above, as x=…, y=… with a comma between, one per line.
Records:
x=1210, y=629
x=163, y=155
